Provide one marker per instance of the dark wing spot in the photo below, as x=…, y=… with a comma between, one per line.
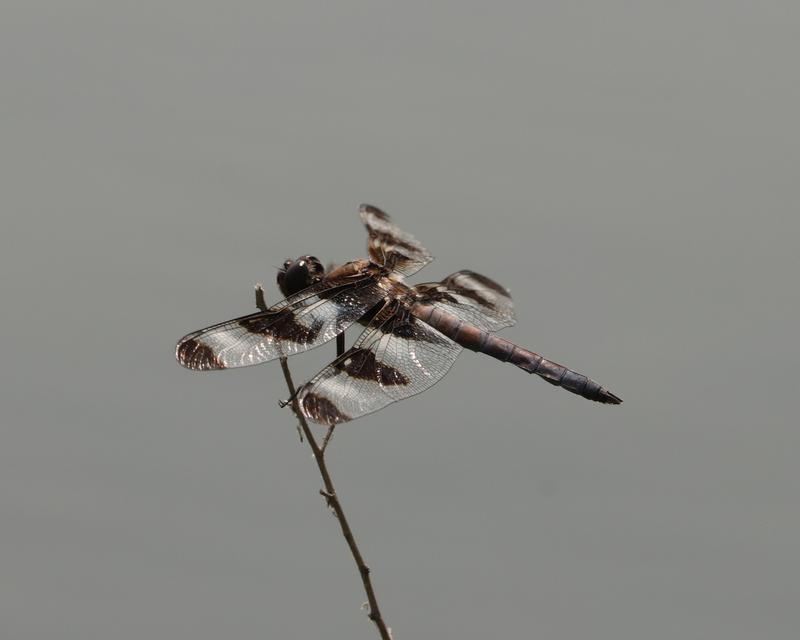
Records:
x=368, y=208
x=469, y=283
x=322, y=410
x=389, y=239
x=487, y=282
x=404, y=330
x=361, y=364
x=428, y=293
x=197, y=355
x=404, y=326
x=472, y=294
x=282, y=325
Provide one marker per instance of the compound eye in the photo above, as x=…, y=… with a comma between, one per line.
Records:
x=287, y=263
x=315, y=266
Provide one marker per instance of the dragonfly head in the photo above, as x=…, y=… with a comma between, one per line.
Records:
x=296, y=275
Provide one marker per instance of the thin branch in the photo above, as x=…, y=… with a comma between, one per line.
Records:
x=329, y=492
x=261, y=303
x=340, y=344
x=336, y=505
x=327, y=438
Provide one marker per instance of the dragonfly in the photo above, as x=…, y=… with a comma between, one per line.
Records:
x=412, y=336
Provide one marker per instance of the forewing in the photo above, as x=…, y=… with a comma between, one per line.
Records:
x=389, y=245
x=471, y=297
x=396, y=357
x=298, y=323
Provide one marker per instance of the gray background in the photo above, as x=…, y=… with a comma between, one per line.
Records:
x=629, y=170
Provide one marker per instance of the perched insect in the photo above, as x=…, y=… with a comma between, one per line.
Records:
x=413, y=333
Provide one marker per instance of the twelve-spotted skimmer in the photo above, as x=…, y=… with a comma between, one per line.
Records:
x=413, y=333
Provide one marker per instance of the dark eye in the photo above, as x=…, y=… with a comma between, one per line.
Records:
x=315, y=266
x=287, y=263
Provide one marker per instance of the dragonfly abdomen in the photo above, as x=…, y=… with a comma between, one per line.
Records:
x=476, y=339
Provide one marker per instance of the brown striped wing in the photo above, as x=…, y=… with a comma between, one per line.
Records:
x=298, y=323
x=390, y=246
x=396, y=357
x=470, y=297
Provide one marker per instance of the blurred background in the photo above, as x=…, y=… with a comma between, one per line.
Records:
x=628, y=170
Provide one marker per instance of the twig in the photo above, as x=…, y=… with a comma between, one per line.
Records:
x=261, y=303
x=333, y=502
x=340, y=344
x=329, y=492
x=327, y=438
